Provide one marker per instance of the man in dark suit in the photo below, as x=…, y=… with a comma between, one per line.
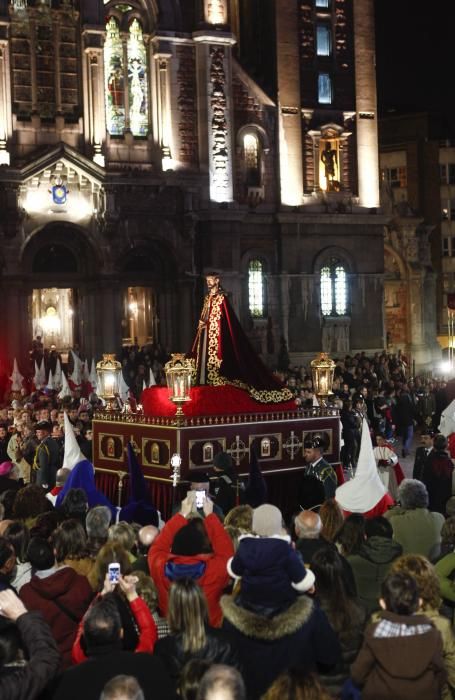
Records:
x=47, y=456
x=422, y=452
x=320, y=480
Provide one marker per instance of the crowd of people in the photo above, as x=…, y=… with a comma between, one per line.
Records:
x=227, y=599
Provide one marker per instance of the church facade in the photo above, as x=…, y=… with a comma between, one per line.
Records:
x=138, y=151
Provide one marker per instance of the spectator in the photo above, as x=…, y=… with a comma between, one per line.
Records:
x=296, y=685
x=332, y=519
x=122, y=688
x=190, y=678
x=146, y=590
x=269, y=567
x=124, y=535
x=240, y=517
x=422, y=452
x=60, y=594
x=18, y=535
x=27, y=634
x=110, y=553
x=344, y=613
x=308, y=526
x=228, y=489
x=414, y=527
x=352, y=535
x=372, y=561
x=132, y=610
x=145, y=539
x=221, y=682
x=428, y=589
x=9, y=480
x=97, y=523
x=102, y=628
x=437, y=475
x=179, y=549
x=74, y=505
x=401, y=656
x=29, y=503
x=7, y=564
x=70, y=546
x=190, y=636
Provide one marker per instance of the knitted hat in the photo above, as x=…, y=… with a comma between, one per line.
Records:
x=188, y=541
x=267, y=520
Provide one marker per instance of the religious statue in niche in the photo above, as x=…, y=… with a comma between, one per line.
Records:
x=115, y=87
x=207, y=453
x=329, y=159
x=155, y=453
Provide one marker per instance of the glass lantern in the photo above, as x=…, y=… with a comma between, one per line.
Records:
x=108, y=372
x=322, y=369
x=179, y=370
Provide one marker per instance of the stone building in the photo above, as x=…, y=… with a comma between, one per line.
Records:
x=139, y=148
x=418, y=185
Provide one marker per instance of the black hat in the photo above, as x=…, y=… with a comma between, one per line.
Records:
x=316, y=442
x=223, y=461
x=44, y=425
x=199, y=477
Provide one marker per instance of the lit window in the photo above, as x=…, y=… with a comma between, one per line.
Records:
x=396, y=177
x=322, y=3
x=256, y=288
x=132, y=76
x=334, y=289
x=252, y=160
x=323, y=40
x=324, y=89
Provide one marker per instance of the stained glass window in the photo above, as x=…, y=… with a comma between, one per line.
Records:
x=334, y=289
x=256, y=288
x=137, y=80
x=252, y=163
x=114, y=79
x=324, y=89
x=323, y=40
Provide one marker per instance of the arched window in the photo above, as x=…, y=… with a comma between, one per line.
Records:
x=125, y=67
x=256, y=295
x=252, y=158
x=334, y=289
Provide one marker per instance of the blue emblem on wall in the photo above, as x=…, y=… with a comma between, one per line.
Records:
x=59, y=194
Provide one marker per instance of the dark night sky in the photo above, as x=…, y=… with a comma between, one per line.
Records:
x=415, y=55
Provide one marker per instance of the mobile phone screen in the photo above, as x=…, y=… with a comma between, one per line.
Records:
x=114, y=572
x=200, y=498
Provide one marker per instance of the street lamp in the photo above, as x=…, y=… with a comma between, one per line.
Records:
x=108, y=371
x=322, y=369
x=178, y=377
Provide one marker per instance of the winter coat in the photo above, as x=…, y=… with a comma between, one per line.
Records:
x=417, y=530
x=25, y=682
x=401, y=658
x=88, y=679
x=298, y=637
x=350, y=638
x=370, y=566
x=437, y=477
x=271, y=571
x=214, y=577
x=217, y=650
x=63, y=588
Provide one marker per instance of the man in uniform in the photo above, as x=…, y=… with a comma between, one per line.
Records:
x=47, y=456
x=320, y=480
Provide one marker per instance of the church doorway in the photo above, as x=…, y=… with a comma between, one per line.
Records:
x=140, y=316
x=52, y=312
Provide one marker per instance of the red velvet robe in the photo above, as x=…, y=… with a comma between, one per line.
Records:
x=224, y=355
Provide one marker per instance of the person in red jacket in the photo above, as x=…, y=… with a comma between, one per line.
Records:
x=147, y=632
x=194, y=548
x=58, y=592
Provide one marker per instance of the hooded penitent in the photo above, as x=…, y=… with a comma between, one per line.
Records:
x=139, y=508
x=83, y=477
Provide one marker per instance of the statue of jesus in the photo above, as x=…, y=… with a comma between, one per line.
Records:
x=224, y=355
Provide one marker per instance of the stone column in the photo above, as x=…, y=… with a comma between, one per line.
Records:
x=6, y=124
x=289, y=103
x=94, y=100
x=366, y=104
x=215, y=108
x=162, y=116
x=284, y=291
